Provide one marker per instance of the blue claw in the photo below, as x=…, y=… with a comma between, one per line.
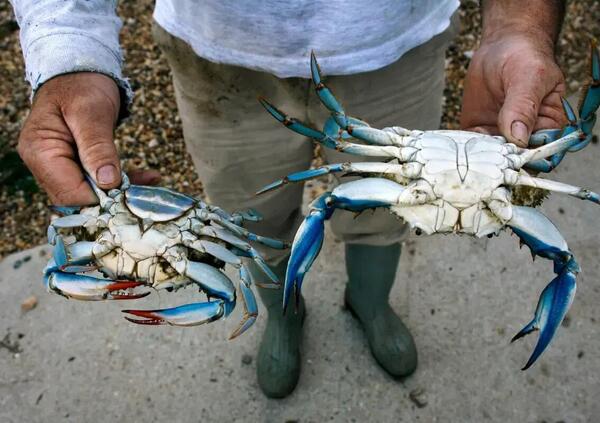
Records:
x=552, y=307
x=544, y=239
x=212, y=281
x=90, y=288
x=588, y=105
x=185, y=315
x=306, y=246
x=591, y=99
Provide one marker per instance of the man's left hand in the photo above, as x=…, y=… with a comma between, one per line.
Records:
x=513, y=87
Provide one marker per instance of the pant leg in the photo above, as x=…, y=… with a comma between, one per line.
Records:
x=407, y=93
x=236, y=146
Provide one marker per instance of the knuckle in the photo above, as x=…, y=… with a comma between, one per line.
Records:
x=61, y=195
x=97, y=149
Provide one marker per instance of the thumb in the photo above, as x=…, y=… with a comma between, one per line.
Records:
x=92, y=120
x=519, y=112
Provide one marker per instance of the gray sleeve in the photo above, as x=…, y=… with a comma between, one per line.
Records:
x=64, y=36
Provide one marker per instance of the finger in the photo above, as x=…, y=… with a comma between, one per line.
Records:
x=144, y=177
x=92, y=124
x=484, y=129
x=544, y=122
x=45, y=145
x=524, y=94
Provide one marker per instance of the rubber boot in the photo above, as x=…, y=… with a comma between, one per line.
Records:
x=371, y=274
x=278, y=362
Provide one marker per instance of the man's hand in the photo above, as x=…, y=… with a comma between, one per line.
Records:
x=70, y=127
x=513, y=84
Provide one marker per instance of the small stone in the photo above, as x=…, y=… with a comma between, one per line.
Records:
x=419, y=397
x=246, y=359
x=153, y=143
x=29, y=303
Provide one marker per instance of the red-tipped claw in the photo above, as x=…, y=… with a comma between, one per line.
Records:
x=90, y=288
x=184, y=315
x=123, y=285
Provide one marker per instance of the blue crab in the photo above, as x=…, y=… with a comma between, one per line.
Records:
x=447, y=181
x=153, y=236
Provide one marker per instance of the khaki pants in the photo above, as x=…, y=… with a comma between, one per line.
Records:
x=237, y=147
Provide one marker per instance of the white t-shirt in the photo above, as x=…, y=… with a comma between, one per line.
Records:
x=276, y=36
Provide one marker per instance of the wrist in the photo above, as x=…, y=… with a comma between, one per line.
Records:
x=537, y=20
x=540, y=38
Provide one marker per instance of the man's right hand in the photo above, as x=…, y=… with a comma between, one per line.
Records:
x=71, y=126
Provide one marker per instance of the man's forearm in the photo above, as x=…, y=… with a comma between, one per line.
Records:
x=64, y=36
x=541, y=18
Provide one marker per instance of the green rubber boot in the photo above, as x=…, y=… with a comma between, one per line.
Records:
x=371, y=274
x=278, y=361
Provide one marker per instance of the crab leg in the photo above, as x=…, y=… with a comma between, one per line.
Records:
x=69, y=221
x=581, y=193
x=214, y=249
x=238, y=217
x=250, y=311
x=408, y=170
x=542, y=237
x=243, y=249
x=249, y=215
x=353, y=127
x=241, y=231
x=77, y=256
x=354, y=196
x=402, y=153
x=212, y=281
x=559, y=146
x=546, y=137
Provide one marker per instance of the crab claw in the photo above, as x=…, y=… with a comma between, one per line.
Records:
x=552, y=307
x=89, y=288
x=305, y=248
x=590, y=101
x=185, y=315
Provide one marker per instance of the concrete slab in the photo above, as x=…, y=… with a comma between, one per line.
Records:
x=463, y=298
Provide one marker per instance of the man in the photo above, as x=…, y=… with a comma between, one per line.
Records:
x=385, y=61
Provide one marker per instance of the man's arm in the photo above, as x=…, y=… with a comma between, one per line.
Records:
x=59, y=37
x=513, y=84
x=73, y=63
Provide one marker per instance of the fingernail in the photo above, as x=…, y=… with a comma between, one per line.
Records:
x=107, y=175
x=519, y=131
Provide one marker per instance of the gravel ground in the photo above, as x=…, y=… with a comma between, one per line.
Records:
x=152, y=137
